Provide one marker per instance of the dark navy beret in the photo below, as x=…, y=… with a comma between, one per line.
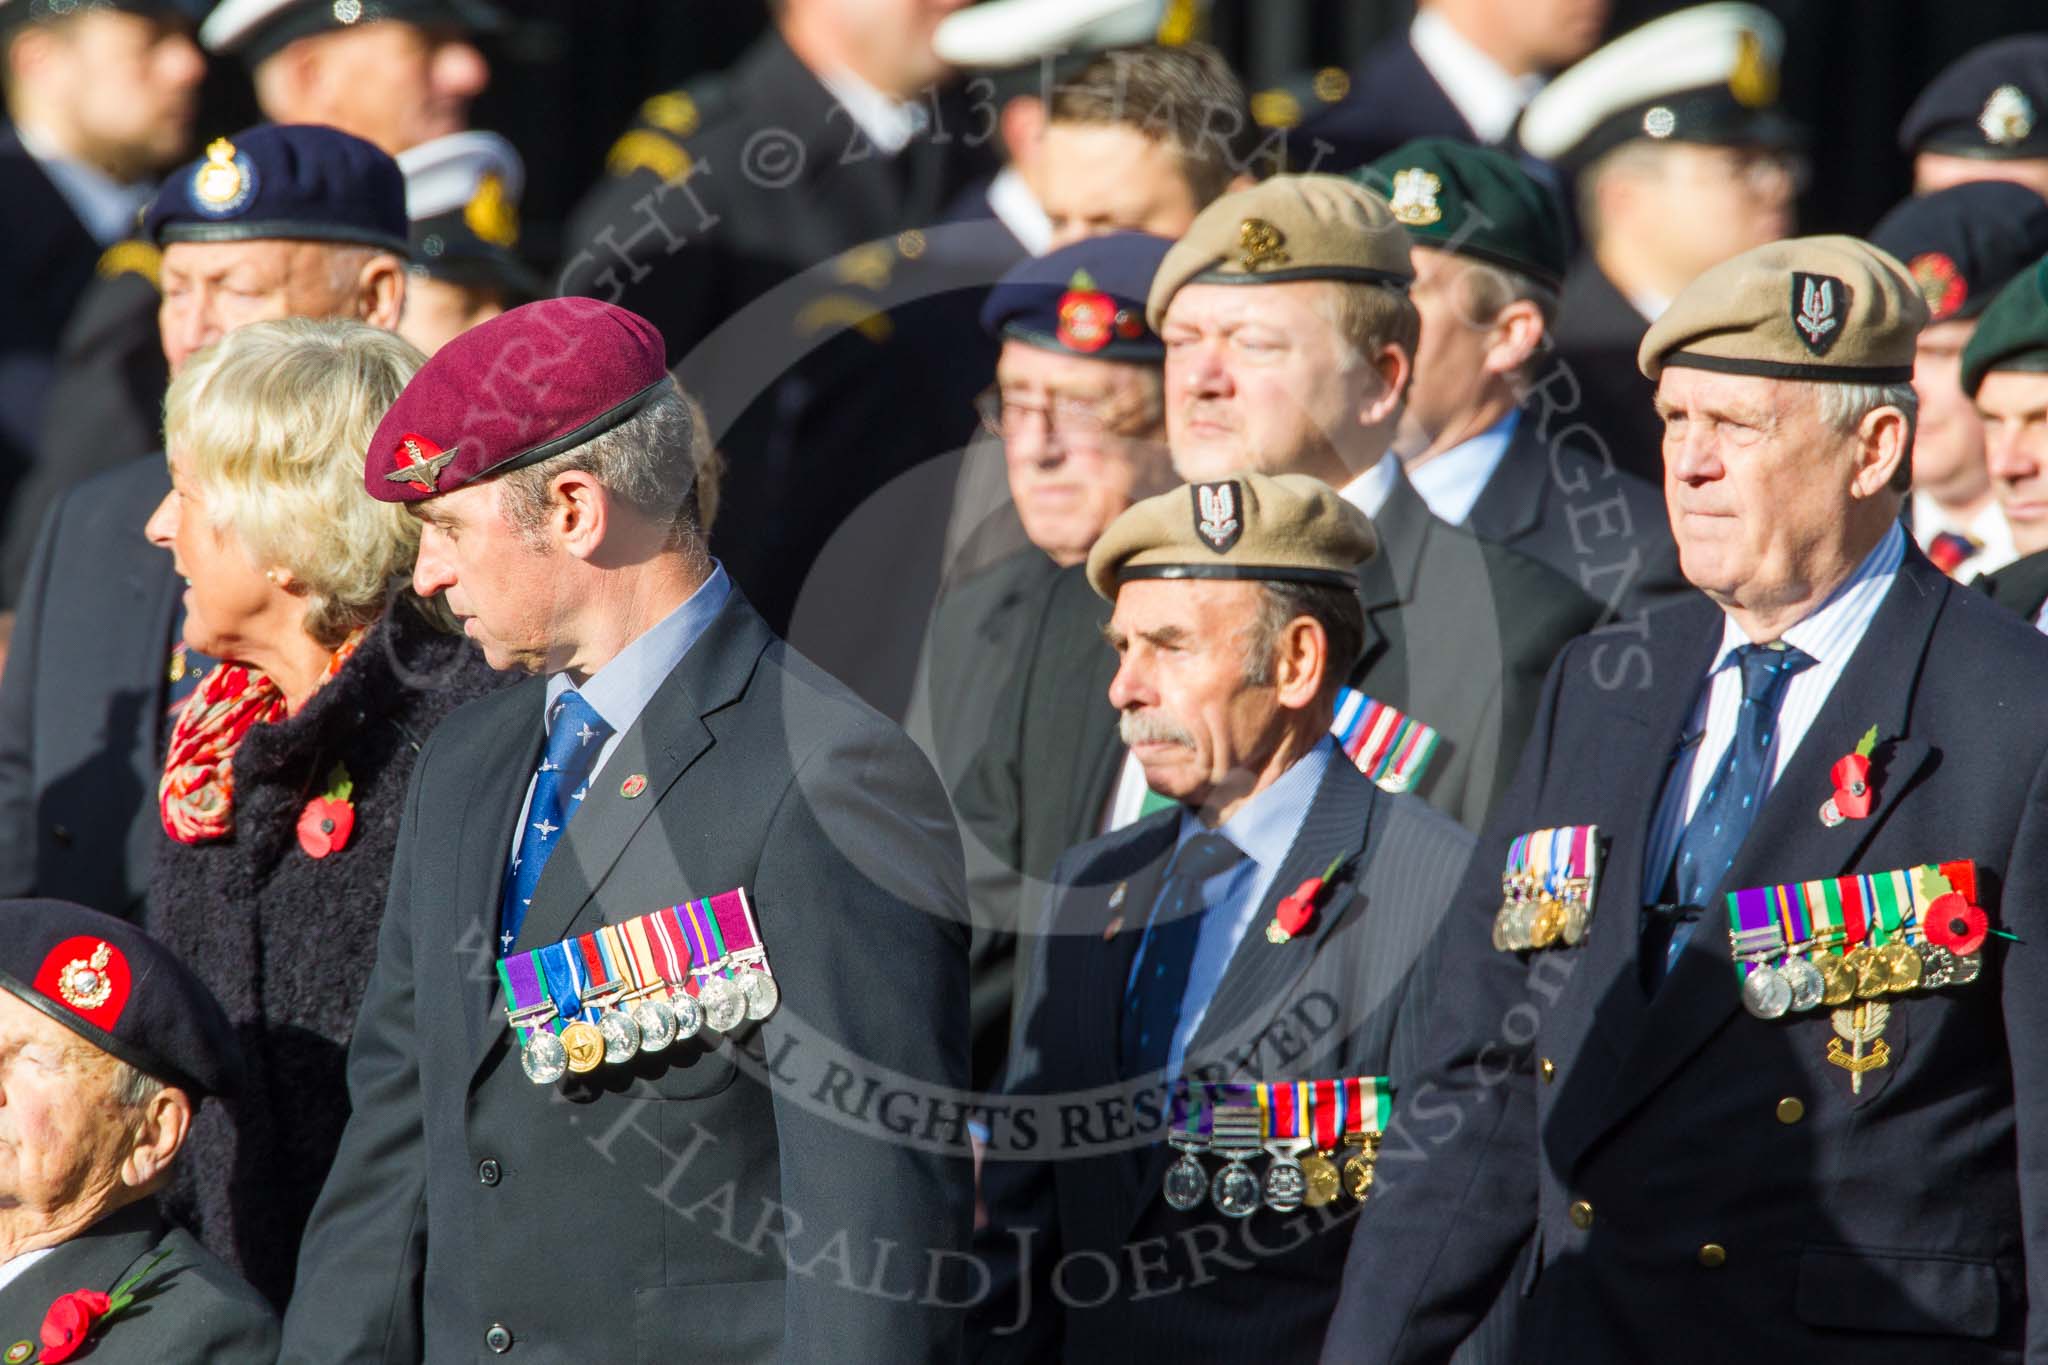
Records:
x=292, y=180
x=1087, y=299
x=1963, y=243
x=121, y=991
x=510, y=392
x=257, y=28
x=1988, y=103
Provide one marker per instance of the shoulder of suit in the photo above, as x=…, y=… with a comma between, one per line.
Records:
x=1533, y=597
x=668, y=125
x=1303, y=98
x=1997, y=642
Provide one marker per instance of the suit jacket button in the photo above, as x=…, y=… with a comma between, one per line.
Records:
x=487, y=1171
x=498, y=1338
x=1581, y=1214
x=1549, y=1069
x=1790, y=1110
x=62, y=834
x=1713, y=1255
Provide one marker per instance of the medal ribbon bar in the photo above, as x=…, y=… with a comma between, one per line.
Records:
x=526, y=1001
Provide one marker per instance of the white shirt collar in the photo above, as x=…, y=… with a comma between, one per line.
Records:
x=14, y=1269
x=104, y=205
x=889, y=125
x=1368, y=492
x=1489, y=98
x=1988, y=528
x=1451, y=482
x=1018, y=209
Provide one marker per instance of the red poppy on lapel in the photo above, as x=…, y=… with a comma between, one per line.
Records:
x=329, y=818
x=1854, y=794
x=1295, y=911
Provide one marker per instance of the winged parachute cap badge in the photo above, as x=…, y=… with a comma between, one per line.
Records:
x=1216, y=518
x=1258, y=243
x=2008, y=116
x=419, y=461
x=1817, y=303
x=1414, y=202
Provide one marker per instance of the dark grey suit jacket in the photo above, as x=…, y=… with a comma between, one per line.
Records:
x=2021, y=586
x=190, y=1307
x=760, y=1200
x=1608, y=531
x=1347, y=997
x=1661, y=1125
x=82, y=703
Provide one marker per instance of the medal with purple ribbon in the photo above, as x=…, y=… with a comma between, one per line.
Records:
x=735, y=916
x=725, y=1004
x=527, y=1006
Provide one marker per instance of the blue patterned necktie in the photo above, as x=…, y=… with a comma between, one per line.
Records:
x=575, y=736
x=1166, y=955
x=1714, y=835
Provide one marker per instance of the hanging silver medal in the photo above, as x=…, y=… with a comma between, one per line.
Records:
x=1803, y=983
x=725, y=1004
x=542, y=1056
x=1236, y=1191
x=1186, y=1181
x=1765, y=992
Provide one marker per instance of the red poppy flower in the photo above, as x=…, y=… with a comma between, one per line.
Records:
x=69, y=1323
x=324, y=826
x=1085, y=320
x=1294, y=912
x=1854, y=795
x=1953, y=923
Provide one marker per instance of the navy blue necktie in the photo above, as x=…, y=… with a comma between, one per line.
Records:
x=1167, y=954
x=1714, y=835
x=575, y=736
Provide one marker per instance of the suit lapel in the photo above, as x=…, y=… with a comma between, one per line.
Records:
x=1386, y=584
x=484, y=847
x=1788, y=840
x=669, y=736
x=98, y=1259
x=1107, y=956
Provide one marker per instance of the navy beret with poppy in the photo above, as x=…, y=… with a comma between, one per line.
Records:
x=1963, y=243
x=1086, y=299
x=299, y=181
x=121, y=991
x=528, y=384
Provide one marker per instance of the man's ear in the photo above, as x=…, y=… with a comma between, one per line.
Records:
x=380, y=291
x=1302, y=657
x=1516, y=335
x=1883, y=438
x=1393, y=367
x=160, y=1135
x=579, y=513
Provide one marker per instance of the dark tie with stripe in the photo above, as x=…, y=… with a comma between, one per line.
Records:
x=1166, y=954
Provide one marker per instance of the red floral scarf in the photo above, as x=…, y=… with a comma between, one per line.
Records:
x=197, y=793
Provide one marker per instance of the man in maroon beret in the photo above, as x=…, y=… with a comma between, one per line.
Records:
x=717, y=901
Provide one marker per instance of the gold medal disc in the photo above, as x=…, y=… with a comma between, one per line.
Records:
x=1837, y=980
x=1324, y=1183
x=584, y=1043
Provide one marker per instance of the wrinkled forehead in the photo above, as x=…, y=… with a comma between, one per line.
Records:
x=1204, y=610
x=1687, y=389
x=273, y=259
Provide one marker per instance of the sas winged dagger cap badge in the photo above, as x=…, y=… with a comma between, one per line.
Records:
x=420, y=461
x=1216, y=518
x=1818, y=301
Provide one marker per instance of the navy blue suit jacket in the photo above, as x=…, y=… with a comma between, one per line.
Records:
x=1393, y=99
x=1907, y=1222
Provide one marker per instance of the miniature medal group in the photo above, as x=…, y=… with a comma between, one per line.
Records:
x=1321, y=1140
x=1547, y=889
x=604, y=997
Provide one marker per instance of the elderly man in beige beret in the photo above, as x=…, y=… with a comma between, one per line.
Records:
x=1270, y=927
x=1750, y=1053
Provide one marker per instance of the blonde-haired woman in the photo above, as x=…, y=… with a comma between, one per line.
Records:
x=288, y=765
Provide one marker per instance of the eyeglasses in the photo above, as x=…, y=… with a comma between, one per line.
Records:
x=1065, y=418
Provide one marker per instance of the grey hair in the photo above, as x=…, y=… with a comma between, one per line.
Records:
x=1337, y=610
x=652, y=462
x=133, y=1088
x=1844, y=406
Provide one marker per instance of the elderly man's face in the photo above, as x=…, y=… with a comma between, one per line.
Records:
x=211, y=288
x=1948, y=443
x=1757, y=484
x=2014, y=408
x=1082, y=439
x=1258, y=378
x=1097, y=178
x=1198, y=728
x=62, y=1136
x=500, y=583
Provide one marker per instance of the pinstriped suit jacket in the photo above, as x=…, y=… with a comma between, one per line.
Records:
x=1078, y=1213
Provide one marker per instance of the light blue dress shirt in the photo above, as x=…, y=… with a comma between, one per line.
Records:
x=1265, y=828
x=1452, y=482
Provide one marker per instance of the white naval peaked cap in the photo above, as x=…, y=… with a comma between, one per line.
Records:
x=443, y=175
x=1694, y=48
x=1002, y=33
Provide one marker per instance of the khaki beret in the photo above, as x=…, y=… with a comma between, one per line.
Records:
x=1291, y=227
x=1826, y=308
x=1288, y=528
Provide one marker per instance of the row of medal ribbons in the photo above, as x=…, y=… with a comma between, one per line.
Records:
x=1547, y=889
x=606, y=996
x=1389, y=747
x=1319, y=1139
x=1807, y=944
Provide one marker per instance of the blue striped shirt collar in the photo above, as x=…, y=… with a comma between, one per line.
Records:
x=621, y=689
x=1839, y=622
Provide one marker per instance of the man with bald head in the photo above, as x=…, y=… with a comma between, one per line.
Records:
x=280, y=221
x=1743, y=942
